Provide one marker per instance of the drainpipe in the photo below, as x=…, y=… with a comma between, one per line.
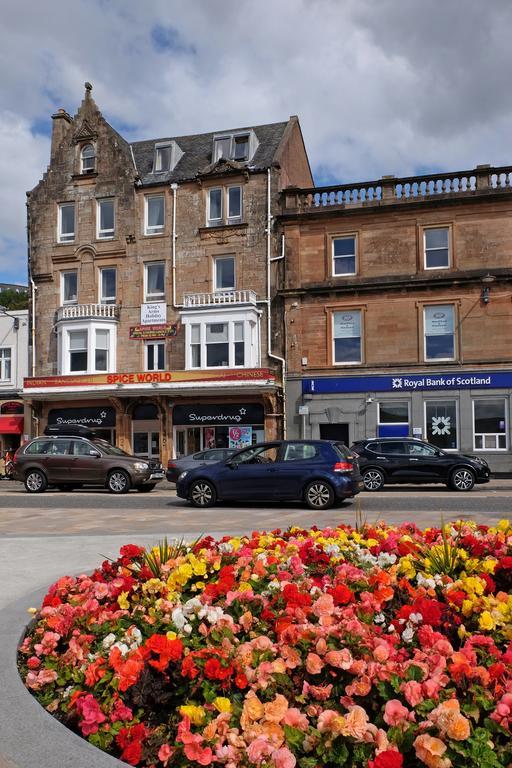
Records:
x=33, y=332
x=268, y=300
x=174, y=188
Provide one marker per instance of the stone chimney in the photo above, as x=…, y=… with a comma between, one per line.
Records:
x=62, y=123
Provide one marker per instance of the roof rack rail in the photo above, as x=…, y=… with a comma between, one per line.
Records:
x=74, y=430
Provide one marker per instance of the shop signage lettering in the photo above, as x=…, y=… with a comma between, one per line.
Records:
x=11, y=407
x=250, y=413
x=149, y=377
x=149, y=332
x=88, y=417
x=408, y=383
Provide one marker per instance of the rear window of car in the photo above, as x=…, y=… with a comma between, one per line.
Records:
x=299, y=451
x=38, y=446
x=198, y=456
x=392, y=447
x=342, y=450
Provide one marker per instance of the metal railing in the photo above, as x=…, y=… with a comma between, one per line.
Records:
x=219, y=298
x=83, y=311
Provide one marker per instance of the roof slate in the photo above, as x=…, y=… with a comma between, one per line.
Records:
x=197, y=153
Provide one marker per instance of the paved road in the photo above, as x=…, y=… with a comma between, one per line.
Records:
x=93, y=512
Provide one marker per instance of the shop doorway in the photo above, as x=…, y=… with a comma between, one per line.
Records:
x=146, y=431
x=187, y=440
x=337, y=431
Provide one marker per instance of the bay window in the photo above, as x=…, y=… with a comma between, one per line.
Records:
x=86, y=347
x=222, y=339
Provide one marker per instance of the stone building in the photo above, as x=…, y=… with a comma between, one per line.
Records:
x=397, y=310
x=13, y=369
x=152, y=269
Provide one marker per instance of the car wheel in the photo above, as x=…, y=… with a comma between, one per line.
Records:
x=462, y=479
x=145, y=488
x=373, y=480
x=118, y=481
x=35, y=481
x=319, y=495
x=202, y=494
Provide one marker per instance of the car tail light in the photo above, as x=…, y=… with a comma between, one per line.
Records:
x=171, y=464
x=343, y=466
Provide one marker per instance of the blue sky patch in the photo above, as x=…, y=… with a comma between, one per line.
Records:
x=168, y=39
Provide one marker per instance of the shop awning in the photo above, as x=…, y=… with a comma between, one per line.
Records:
x=11, y=425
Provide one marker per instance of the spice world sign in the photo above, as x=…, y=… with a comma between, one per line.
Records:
x=261, y=375
x=409, y=383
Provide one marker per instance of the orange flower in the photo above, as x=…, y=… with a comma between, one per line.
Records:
x=252, y=710
x=459, y=728
x=355, y=723
x=276, y=710
x=430, y=751
x=314, y=664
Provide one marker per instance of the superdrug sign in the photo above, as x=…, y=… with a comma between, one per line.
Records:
x=207, y=415
x=100, y=417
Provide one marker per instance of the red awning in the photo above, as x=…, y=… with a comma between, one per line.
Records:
x=11, y=425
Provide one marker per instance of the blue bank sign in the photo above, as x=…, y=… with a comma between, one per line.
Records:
x=408, y=382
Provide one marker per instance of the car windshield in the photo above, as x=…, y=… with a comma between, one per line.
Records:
x=111, y=450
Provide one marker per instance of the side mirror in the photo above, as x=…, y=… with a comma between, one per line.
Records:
x=231, y=464
x=95, y=454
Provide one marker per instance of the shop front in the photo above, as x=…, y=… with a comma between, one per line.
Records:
x=11, y=425
x=465, y=411
x=101, y=418
x=217, y=425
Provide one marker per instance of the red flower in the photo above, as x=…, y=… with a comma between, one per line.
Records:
x=214, y=670
x=429, y=609
x=294, y=598
x=188, y=668
x=131, y=551
x=166, y=651
x=505, y=563
x=130, y=741
x=388, y=759
x=341, y=594
x=241, y=681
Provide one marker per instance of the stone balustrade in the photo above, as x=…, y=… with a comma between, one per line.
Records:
x=219, y=298
x=86, y=311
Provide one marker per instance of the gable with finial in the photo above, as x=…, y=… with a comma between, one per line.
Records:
x=84, y=132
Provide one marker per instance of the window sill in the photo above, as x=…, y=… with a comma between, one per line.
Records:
x=236, y=226
x=155, y=234
x=82, y=176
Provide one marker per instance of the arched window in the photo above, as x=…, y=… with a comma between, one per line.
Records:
x=88, y=157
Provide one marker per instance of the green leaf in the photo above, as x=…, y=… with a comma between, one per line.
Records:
x=294, y=736
x=414, y=673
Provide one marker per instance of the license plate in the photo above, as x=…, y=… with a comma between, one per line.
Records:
x=157, y=476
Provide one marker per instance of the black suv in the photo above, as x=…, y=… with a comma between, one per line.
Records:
x=69, y=457
x=407, y=460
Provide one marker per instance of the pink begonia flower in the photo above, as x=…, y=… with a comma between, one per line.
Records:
x=412, y=691
x=91, y=714
x=355, y=723
x=48, y=644
x=194, y=751
x=395, y=713
x=35, y=681
x=321, y=646
x=431, y=689
x=259, y=749
x=283, y=758
x=101, y=590
x=323, y=606
x=33, y=662
x=261, y=643
x=381, y=652
x=165, y=753
x=296, y=719
x=314, y=664
x=339, y=659
x=318, y=692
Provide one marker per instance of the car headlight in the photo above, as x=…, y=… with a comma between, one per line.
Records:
x=141, y=466
x=182, y=475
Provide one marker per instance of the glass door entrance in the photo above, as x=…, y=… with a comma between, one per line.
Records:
x=187, y=440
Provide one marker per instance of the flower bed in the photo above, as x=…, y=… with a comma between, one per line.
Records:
x=382, y=648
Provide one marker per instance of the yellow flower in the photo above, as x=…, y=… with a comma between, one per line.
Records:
x=486, y=621
x=171, y=635
x=244, y=586
x=462, y=631
x=467, y=607
x=122, y=601
x=196, y=714
x=222, y=704
x=152, y=586
x=489, y=565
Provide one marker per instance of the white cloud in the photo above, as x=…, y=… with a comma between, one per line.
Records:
x=380, y=86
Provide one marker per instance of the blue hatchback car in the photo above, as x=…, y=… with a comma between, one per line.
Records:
x=316, y=472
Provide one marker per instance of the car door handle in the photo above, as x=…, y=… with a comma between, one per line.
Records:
x=382, y=458
x=412, y=459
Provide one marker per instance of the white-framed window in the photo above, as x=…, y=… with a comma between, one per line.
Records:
x=154, y=214
x=224, y=273
x=66, y=223
x=224, y=205
x=69, y=287
x=5, y=364
x=346, y=335
x=393, y=418
x=87, y=159
x=78, y=344
x=154, y=281
x=154, y=356
x=439, y=332
x=222, y=339
x=163, y=158
x=101, y=349
x=490, y=424
x=87, y=347
x=108, y=279
x=344, y=255
x=232, y=147
x=441, y=423
x=436, y=247
x=105, y=219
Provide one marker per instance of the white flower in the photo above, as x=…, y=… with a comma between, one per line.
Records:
x=108, y=640
x=187, y=629
x=332, y=549
x=225, y=547
x=178, y=619
x=379, y=618
x=429, y=583
x=385, y=558
x=122, y=647
x=391, y=628
x=408, y=634
x=416, y=618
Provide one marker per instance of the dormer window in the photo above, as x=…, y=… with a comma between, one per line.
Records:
x=240, y=147
x=88, y=159
x=167, y=155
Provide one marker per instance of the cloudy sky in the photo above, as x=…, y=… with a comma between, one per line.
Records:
x=380, y=86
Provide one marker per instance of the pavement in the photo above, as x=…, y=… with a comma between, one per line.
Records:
x=48, y=536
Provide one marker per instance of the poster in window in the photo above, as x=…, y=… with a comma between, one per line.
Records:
x=240, y=437
x=439, y=321
x=347, y=325
x=209, y=437
x=442, y=424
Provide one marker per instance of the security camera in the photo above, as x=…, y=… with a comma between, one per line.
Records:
x=369, y=400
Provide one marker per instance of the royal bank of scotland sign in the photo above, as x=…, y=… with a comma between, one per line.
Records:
x=409, y=382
